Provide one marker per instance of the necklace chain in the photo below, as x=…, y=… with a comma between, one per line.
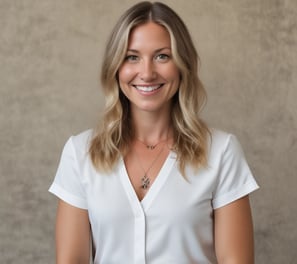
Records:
x=145, y=180
x=151, y=147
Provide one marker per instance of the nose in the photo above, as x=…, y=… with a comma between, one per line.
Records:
x=147, y=72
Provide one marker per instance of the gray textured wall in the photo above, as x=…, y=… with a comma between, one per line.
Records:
x=50, y=55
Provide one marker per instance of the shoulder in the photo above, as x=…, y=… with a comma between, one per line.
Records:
x=221, y=142
x=83, y=138
x=219, y=138
x=81, y=142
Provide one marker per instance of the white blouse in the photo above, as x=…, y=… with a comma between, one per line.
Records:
x=173, y=224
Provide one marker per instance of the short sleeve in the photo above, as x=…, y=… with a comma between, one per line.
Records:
x=235, y=179
x=67, y=184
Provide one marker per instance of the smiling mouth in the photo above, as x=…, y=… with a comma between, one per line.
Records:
x=148, y=88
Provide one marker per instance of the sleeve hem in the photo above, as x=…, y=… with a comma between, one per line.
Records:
x=234, y=195
x=67, y=197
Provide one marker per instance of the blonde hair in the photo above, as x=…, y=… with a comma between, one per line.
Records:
x=112, y=139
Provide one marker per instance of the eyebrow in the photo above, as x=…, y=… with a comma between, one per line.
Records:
x=156, y=51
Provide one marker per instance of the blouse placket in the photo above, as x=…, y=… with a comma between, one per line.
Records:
x=140, y=208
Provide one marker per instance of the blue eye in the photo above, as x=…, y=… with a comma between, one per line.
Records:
x=131, y=58
x=162, y=57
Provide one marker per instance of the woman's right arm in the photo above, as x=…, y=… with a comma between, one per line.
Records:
x=72, y=235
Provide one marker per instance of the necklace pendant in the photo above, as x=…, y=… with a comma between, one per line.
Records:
x=150, y=147
x=145, y=182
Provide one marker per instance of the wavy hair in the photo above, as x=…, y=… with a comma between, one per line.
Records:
x=111, y=140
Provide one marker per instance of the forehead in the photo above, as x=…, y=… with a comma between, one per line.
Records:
x=149, y=35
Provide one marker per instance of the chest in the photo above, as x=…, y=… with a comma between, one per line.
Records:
x=170, y=196
x=142, y=168
x=174, y=208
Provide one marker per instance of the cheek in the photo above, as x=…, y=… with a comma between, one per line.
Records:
x=125, y=74
x=172, y=73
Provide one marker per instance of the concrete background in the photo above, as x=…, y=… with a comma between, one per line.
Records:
x=50, y=53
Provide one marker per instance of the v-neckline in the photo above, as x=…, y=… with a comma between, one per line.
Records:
x=154, y=189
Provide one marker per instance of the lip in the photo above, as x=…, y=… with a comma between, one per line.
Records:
x=147, y=88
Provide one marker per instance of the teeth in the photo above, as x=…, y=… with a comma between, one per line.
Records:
x=147, y=88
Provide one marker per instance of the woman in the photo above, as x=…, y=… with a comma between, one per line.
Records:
x=153, y=184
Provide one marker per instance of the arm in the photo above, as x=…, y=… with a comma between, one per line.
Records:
x=72, y=235
x=234, y=241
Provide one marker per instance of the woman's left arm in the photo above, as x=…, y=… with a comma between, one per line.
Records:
x=234, y=238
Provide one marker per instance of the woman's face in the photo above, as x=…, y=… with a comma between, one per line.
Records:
x=148, y=76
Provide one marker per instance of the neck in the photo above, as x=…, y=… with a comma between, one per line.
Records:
x=150, y=128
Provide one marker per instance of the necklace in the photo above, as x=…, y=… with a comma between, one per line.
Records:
x=151, y=147
x=145, y=180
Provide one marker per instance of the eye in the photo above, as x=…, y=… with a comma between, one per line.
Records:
x=162, y=57
x=131, y=58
